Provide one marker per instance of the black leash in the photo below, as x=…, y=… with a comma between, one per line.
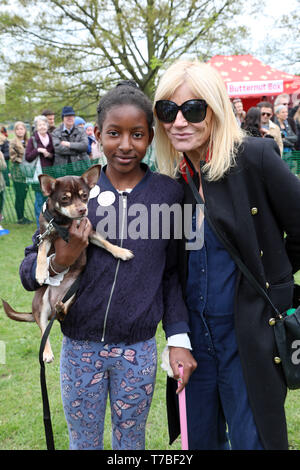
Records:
x=46, y=406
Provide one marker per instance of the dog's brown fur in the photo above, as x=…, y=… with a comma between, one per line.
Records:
x=67, y=200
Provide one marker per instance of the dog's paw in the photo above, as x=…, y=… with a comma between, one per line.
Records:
x=41, y=275
x=124, y=254
x=48, y=356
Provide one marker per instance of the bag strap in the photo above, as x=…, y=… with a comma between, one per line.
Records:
x=231, y=250
x=34, y=142
x=46, y=406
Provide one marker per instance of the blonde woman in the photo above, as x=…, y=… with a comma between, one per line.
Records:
x=16, y=152
x=40, y=146
x=235, y=397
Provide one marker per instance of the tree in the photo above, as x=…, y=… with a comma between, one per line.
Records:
x=72, y=50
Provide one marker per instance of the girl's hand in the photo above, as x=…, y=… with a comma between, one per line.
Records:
x=41, y=150
x=183, y=357
x=67, y=253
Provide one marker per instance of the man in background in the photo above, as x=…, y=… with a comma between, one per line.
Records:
x=50, y=115
x=70, y=141
x=266, y=110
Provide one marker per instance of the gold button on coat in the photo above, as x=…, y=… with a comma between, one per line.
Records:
x=277, y=360
x=267, y=285
x=254, y=210
x=261, y=253
x=272, y=321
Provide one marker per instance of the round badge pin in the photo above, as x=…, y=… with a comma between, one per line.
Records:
x=94, y=191
x=107, y=198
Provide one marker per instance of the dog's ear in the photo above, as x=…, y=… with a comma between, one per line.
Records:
x=91, y=176
x=47, y=184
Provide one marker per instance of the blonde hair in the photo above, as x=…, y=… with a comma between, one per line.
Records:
x=21, y=123
x=204, y=82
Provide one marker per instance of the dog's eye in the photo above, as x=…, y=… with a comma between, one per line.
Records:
x=65, y=198
x=84, y=196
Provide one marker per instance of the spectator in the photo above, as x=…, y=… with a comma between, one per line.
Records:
x=70, y=142
x=89, y=129
x=284, y=100
x=95, y=148
x=251, y=124
x=289, y=137
x=40, y=145
x=266, y=110
x=3, y=131
x=4, y=148
x=50, y=115
x=2, y=192
x=79, y=122
x=16, y=152
x=238, y=109
x=297, y=121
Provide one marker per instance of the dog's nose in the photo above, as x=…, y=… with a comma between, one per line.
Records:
x=82, y=210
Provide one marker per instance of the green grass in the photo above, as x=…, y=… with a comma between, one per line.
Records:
x=21, y=423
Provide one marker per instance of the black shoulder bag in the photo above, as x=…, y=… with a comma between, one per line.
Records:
x=286, y=326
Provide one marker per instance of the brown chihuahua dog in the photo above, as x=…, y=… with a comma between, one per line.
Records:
x=67, y=200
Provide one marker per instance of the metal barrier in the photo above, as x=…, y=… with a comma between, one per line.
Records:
x=21, y=193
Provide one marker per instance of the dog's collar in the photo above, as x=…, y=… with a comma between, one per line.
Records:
x=52, y=224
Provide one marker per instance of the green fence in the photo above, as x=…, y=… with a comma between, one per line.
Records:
x=19, y=180
x=293, y=161
x=20, y=184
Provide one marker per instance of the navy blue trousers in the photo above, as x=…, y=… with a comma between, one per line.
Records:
x=218, y=411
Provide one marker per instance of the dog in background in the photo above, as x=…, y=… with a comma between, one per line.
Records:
x=67, y=200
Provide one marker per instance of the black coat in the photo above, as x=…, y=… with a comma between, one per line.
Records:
x=255, y=204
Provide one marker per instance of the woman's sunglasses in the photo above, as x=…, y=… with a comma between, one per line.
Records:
x=192, y=110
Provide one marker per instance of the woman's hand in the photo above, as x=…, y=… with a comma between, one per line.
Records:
x=67, y=253
x=181, y=357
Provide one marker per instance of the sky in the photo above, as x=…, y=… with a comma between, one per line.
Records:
x=264, y=31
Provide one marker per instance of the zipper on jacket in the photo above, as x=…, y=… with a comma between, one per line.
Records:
x=124, y=202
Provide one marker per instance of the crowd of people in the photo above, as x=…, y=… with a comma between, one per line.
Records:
x=48, y=145
x=217, y=327
x=277, y=121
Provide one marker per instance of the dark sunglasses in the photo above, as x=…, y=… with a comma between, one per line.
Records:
x=192, y=110
x=266, y=114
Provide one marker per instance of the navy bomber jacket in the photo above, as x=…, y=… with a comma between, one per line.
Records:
x=123, y=301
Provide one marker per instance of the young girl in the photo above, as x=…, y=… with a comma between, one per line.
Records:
x=16, y=151
x=109, y=344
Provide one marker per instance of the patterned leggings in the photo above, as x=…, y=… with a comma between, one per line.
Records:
x=89, y=371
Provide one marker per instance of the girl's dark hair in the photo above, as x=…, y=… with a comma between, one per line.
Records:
x=125, y=93
x=252, y=118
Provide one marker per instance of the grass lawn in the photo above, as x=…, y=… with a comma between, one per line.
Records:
x=21, y=422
